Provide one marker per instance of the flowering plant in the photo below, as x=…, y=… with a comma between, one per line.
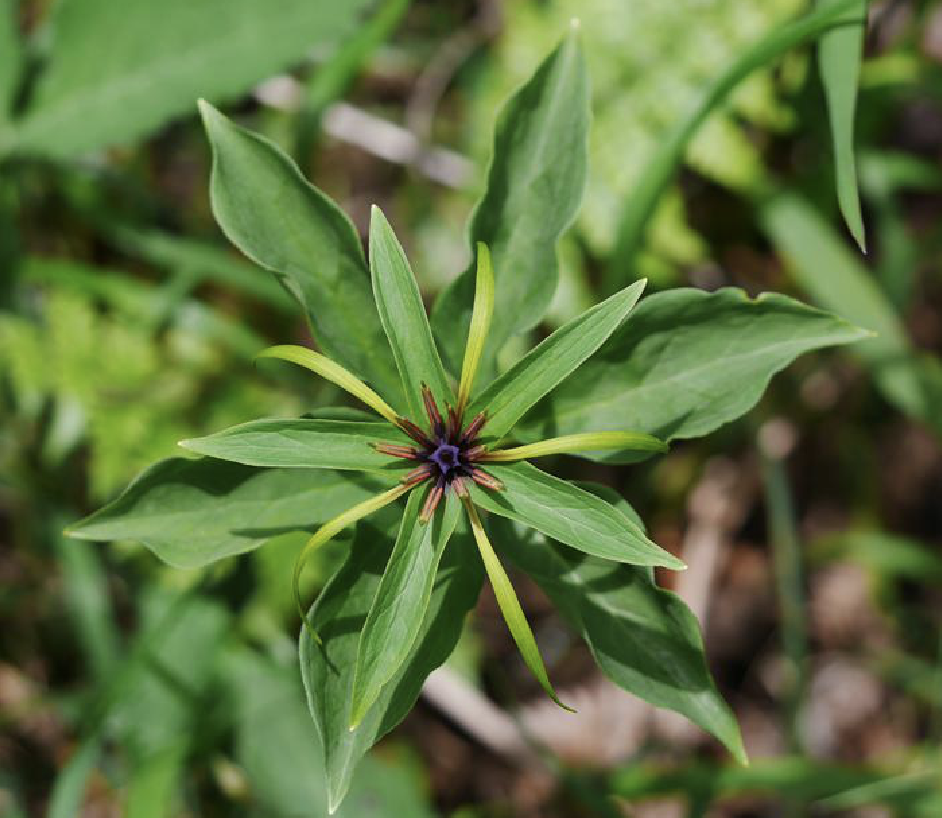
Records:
x=614, y=384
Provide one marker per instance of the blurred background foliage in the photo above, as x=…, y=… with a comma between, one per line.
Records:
x=813, y=526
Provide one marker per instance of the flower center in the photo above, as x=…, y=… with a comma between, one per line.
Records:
x=446, y=458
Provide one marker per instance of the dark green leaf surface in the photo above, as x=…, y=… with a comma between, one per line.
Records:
x=836, y=279
x=403, y=315
x=193, y=512
x=302, y=443
x=401, y=600
x=534, y=186
x=644, y=638
x=509, y=397
x=338, y=617
x=9, y=64
x=280, y=221
x=839, y=54
x=569, y=514
x=686, y=362
x=120, y=70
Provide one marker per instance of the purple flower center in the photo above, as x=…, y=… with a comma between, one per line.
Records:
x=445, y=457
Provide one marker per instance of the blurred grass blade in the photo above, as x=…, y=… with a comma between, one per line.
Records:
x=68, y=790
x=302, y=443
x=584, y=442
x=660, y=171
x=333, y=372
x=401, y=600
x=839, y=54
x=480, y=325
x=508, y=398
x=403, y=317
x=9, y=63
x=835, y=278
x=510, y=606
x=87, y=590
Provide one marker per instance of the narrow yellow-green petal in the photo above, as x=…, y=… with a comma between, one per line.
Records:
x=510, y=606
x=333, y=372
x=480, y=324
x=583, y=442
x=331, y=529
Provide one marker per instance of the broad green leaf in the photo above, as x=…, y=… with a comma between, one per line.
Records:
x=339, y=616
x=119, y=71
x=303, y=444
x=277, y=747
x=402, y=598
x=151, y=789
x=659, y=172
x=685, y=363
x=836, y=279
x=643, y=638
x=280, y=221
x=192, y=512
x=509, y=397
x=839, y=54
x=404, y=320
x=569, y=514
x=534, y=186
x=9, y=63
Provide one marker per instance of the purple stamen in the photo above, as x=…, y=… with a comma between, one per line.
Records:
x=445, y=457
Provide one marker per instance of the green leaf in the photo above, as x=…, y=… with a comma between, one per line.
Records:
x=280, y=221
x=643, y=638
x=339, y=616
x=569, y=514
x=534, y=186
x=660, y=171
x=302, y=444
x=839, y=54
x=192, y=512
x=509, y=397
x=159, y=58
x=685, y=363
x=404, y=320
x=402, y=598
x=9, y=63
x=910, y=380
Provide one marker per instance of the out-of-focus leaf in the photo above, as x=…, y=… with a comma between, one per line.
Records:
x=338, y=618
x=87, y=592
x=277, y=747
x=837, y=281
x=887, y=554
x=159, y=58
x=402, y=598
x=509, y=397
x=402, y=314
x=644, y=638
x=535, y=183
x=570, y=514
x=285, y=224
x=303, y=443
x=150, y=792
x=9, y=63
x=686, y=362
x=839, y=54
x=192, y=512
x=68, y=791
x=660, y=170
